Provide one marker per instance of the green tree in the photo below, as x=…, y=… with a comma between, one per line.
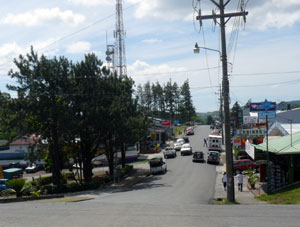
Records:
x=40, y=87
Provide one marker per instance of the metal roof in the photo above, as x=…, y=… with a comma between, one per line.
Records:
x=289, y=144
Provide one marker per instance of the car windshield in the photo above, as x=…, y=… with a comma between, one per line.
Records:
x=186, y=146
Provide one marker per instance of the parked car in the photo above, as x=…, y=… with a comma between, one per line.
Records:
x=157, y=165
x=177, y=146
x=32, y=169
x=186, y=149
x=213, y=157
x=243, y=164
x=198, y=156
x=3, y=185
x=169, y=152
x=180, y=140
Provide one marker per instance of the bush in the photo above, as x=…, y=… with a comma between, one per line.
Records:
x=7, y=192
x=252, y=178
x=17, y=185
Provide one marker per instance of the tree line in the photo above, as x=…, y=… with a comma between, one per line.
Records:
x=167, y=101
x=76, y=108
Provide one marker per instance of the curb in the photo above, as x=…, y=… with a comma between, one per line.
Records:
x=24, y=199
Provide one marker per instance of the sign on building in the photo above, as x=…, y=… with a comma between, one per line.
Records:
x=262, y=106
x=250, y=120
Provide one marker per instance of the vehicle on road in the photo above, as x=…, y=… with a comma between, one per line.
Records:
x=157, y=165
x=13, y=173
x=3, y=185
x=214, y=142
x=186, y=139
x=243, y=164
x=169, y=152
x=180, y=140
x=198, y=156
x=186, y=149
x=189, y=131
x=177, y=146
x=213, y=157
x=32, y=168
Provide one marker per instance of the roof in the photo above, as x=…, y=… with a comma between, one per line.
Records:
x=289, y=115
x=25, y=140
x=282, y=145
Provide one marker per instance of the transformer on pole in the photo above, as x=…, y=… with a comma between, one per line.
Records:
x=119, y=47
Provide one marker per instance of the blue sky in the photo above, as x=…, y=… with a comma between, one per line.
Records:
x=160, y=40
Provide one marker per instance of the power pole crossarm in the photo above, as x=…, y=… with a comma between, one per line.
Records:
x=226, y=15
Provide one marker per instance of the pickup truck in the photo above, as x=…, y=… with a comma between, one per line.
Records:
x=169, y=152
x=157, y=165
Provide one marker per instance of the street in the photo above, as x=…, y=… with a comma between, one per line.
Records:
x=181, y=197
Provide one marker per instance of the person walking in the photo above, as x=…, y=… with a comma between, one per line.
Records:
x=204, y=142
x=240, y=179
x=224, y=180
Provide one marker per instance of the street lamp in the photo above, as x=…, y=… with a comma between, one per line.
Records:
x=197, y=49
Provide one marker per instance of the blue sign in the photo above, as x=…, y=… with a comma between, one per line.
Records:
x=262, y=106
x=271, y=115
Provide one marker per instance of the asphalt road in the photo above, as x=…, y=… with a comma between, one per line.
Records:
x=179, y=198
x=184, y=183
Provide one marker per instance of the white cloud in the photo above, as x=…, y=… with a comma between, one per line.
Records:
x=79, y=47
x=91, y=2
x=141, y=72
x=263, y=14
x=151, y=41
x=41, y=16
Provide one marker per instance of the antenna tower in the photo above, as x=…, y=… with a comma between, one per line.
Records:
x=119, y=34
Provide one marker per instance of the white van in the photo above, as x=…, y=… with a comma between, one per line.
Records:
x=214, y=143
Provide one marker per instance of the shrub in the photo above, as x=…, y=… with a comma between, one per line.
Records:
x=7, y=192
x=252, y=178
x=17, y=185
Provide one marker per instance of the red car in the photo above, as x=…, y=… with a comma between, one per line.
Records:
x=243, y=164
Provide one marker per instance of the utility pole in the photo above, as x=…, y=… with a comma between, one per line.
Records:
x=225, y=85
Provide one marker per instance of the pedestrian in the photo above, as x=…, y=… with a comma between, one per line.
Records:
x=224, y=180
x=205, y=143
x=240, y=179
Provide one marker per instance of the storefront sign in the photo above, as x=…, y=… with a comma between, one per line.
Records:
x=270, y=114
x=262, y=106
x=250, y=120
x=165, y=123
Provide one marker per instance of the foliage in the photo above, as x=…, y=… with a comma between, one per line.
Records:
x=210, y=120
x=168, y=101
x=235, y=152
x=7, y=192
x=17, y=185
x=289, y=195
x=252, y=177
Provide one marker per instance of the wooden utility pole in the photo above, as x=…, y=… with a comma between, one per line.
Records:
x=225, y=85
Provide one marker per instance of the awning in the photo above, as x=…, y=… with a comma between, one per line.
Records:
x=289, y=144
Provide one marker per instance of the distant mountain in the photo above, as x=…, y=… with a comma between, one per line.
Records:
x=284, y=105
x=214, y=114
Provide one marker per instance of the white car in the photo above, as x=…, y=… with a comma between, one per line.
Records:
x=181, y=140
x=186, y=149
x=177, y=146
x=169, y=152
x=157, y=165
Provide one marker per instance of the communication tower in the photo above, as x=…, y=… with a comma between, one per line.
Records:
x=119, y=35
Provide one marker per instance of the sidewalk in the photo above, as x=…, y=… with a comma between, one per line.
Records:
x=246, y=197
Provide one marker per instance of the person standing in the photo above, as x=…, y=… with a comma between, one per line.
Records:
x=240, y=179
x=224, y=180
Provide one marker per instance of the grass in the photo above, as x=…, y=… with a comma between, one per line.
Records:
x=224, y=201
x=177, y=130
x=289, y=195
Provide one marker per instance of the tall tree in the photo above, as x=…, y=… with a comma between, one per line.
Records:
x=188, y=108
x=41, y=84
